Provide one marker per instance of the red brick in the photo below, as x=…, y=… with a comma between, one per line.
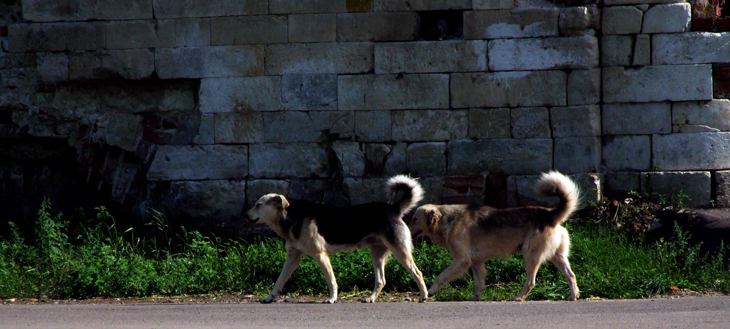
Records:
x=465, y=184
x=723, y=24
x=703, y=23
x=721, y=73
x=722, y=88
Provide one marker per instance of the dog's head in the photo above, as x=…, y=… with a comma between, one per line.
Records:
x=425, y=219
x=268, y=209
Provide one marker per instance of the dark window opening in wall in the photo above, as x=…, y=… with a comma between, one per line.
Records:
x=6, y=117
x=441, y=25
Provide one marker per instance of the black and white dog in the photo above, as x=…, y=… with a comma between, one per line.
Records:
x=321, y=230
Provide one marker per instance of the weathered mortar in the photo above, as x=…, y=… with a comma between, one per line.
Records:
x=198, y=108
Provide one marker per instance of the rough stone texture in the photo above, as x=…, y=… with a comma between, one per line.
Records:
x=575, y=121
x=627, y=153
x=306, y=6
x=49, y=10
x=382, y=92
x=192, y=32
x=621, y=20
x=386, y=160
x=637, y=119
x=140, y=34
x=313, y=28
x=591, y=186
x=430, y=125
x=543, y=54
x=351, y=158
x=657, y=83
x=309, y=92
x=698, y=151
x=240, y=94
x=113, y=9
x=433, y=188
x=464, y=189
x=579, y=20
x=56, y=36
x=722, y=188
x=209, y=62
x=217, y=201
x=240, y=127
x=297, y=126
x=622, y=182
x=516, y=23
x=257, y=188
x=489, y=123
x=492, y=4
x=206, y=8
x=508, y=89
x=319, y=58
x=695, y=185
x=508, y=156
x=376, y=26
x=53, y=67
x=124, y=130
x=713, y=115
x=521, y=191
x=131, y=64
x=373, y=126
x=691, y=48
x=298, y=160
x=671, y=18
x=427, y=159
x=420, y=5
x=248, y=30
x=584, y=87
x=431, y=56
x=199, y=162
x=577, y=154
x=636, y=2
x=530, y=122
x=206, y=131
x=364, y=190
x=642, y=50
x=616, y=50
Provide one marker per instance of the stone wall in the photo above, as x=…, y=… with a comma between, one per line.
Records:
x=199, y=107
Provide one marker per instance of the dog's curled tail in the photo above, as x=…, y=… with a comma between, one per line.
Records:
x=412, y=192
x=556, y=184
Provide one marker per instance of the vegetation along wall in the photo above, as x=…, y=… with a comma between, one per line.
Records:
x=196, y=108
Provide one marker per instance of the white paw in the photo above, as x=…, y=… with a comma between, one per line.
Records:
x=330, y=300
x=368, y=300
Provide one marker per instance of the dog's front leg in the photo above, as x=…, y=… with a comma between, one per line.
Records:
x=293, y=258
x=324, y=263
x=455, y=270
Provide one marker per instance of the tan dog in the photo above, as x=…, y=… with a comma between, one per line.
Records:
x=321, y=230
x=475, y=233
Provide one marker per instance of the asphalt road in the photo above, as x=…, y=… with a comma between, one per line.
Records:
x=700, y=312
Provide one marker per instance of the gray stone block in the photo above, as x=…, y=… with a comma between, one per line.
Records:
x=131, y=64
x=577, y=154
x=334, y=124
x=199, y=162
x=670, y=18
x=140, y=34
x=657, y=83
x=521, y=191
x=209, y=62
x=714, y=114
x=192, y=32
x=621, y=20
x=637, y=119
x=297, y=160
x=383, y=92
x=56, y=37
x=297, y=126
x=623, y=182
x=431, y=56
x=699, y=151
x=575, y=121
x=722, y=188
x=691, y=48
x=591, y=187
x=239, y=127
x=642, y=50
x=240, y=94
x=530, y=122
x=313, y=28
x=307, y=6
x=421, y=5
x=584, y=87
x=309, y=92
x=386, y=160
x=427, y=159
x=364, y=190
x=113, y=9
x=579, y=20
x=377, y=26
x=508, y=89
x=635, y=2
x=430, y=125
x=616, y=50
x=48, y=10
x=245, y=30
x=373, y=126
x=257, y=188
x=543, y=54
x=351, y=159
x=507, y=156
x=492, y=4
x=489, y=123
x=319, y=58
x=433, y=188
x=516, y=23
x=696, y=186
x=123, y=130
x=208, y=8
x=206, y=131
x=52, y=67
x=627, y=153
x=216, y=201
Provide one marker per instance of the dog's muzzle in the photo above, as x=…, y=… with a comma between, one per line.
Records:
x=249, y=219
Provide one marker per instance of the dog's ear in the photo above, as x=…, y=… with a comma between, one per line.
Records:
x=432, y=216
x=279, y=201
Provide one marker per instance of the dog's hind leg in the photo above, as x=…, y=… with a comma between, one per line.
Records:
x=400, y=246
x=532, y=264
x=479, y=273
x=293, y=258
x=561, y=261
x=379, y=255
x=324, y=263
